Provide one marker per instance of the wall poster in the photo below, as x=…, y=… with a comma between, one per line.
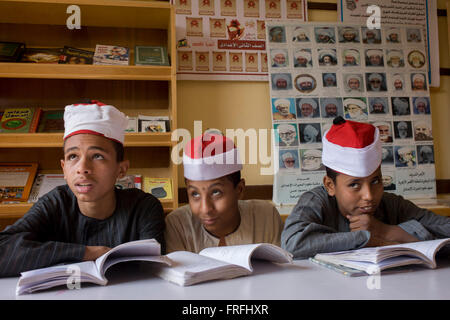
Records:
x=376, y=76
x=226, y=39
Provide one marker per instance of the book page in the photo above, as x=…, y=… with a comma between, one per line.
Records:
x=242, y=254
x=43, y=275
x=190, y=268
x=147, y=247
x=45, y=183
x=427, y=248
x=422, y=249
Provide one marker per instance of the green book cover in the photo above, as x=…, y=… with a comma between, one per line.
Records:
x=151, y=55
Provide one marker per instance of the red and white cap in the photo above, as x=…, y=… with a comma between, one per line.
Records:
x=95, y=118
x=353, y=148
x=210, y=156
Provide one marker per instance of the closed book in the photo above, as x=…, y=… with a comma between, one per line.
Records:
x=151, y=55
x=45, y=183
x=129, y=181
x=71, y=55
x=16, y=180
x=20, y=120
x=51, y=121
x=111, y=55
x=41, y=55
x=161, y=188
x=11, y=51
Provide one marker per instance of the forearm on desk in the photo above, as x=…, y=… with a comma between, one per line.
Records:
x=19, y=254
x=319, y=239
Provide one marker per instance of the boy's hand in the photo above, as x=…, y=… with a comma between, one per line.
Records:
x=378, y=230
x=370, y=223
x=381, y=234
x=93, y=252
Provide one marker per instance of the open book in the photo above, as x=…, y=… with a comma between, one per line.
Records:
x=218, y=263
x=90, y=271
x=377, y=259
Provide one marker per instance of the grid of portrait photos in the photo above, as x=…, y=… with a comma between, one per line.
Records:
x=226, y=39
x=319, y=71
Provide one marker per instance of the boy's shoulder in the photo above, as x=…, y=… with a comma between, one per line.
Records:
x=314, y=193
x=257, y=205
x=134, y=195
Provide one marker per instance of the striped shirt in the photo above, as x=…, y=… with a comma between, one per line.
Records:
x=54, y=230
x=315, y=225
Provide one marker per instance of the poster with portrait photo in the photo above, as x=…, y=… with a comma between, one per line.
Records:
x=236, y=27
x=397, y=15
x=348, y=70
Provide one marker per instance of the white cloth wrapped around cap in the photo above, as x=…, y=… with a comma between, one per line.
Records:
x=95, y=118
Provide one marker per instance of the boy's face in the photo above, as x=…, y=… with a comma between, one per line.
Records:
x=215, y=203
x=356, y=196
x=90, y=167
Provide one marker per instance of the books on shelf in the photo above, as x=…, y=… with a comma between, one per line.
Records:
x=374, y=260
x=218, y=263
x=153, y=123
x=161, y=188
x=51, y=121
x=129, y=181
x=41, y=55
x=47, y=182
x=91, y=271
x=20, y=120
x=16, y=180
x=132, y=125
x=151, y=55
x=11, y=51
x=43, y=184
x=70, y=55
x=111, y=55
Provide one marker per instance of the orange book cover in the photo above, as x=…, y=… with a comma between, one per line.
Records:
x=35, y=121
x=16, y=180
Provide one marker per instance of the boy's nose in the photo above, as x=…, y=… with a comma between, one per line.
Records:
x=367, y=192
x=206, y=206
x=84, y=167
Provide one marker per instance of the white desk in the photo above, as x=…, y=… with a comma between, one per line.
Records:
x=302, y=280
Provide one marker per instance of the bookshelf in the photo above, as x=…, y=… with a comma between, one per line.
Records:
x=145, y=90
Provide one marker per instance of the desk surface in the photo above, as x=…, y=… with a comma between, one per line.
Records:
x=301, y=280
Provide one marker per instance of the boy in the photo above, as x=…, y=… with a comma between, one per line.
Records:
x=82, y=220
x=215, y=215
x=351, y=210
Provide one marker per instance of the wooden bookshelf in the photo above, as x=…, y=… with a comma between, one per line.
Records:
x=146, y=90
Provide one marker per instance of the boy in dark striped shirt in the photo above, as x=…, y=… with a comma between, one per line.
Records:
x=82, y=220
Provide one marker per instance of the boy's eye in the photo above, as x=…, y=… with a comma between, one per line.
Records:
x=216, y=192
x=195, y=194
x=354, y=185
x=376, y=181
x=98, y=156
x=71, y=156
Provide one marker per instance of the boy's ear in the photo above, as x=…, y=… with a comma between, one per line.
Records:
x=123, y=168
x=62, y=167
x=329, y=185
x=240, y=187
